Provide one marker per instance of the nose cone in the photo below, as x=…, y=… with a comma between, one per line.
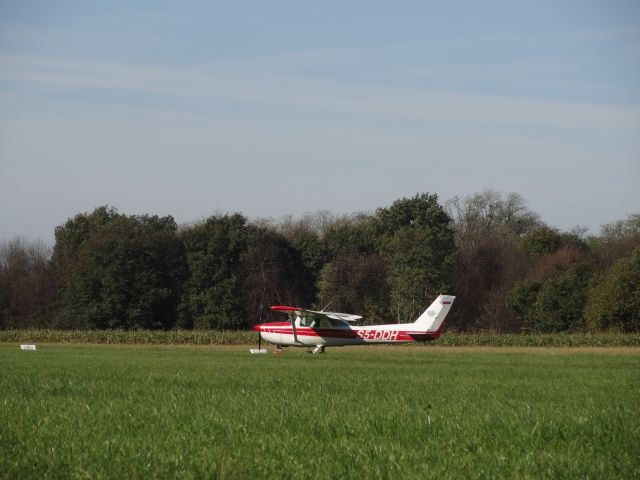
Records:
x=257, y=327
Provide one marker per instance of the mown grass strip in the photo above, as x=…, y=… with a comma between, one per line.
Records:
x=236, y=337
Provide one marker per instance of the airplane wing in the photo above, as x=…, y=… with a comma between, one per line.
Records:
x=301, y=312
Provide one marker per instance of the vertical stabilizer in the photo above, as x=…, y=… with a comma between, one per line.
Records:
x=433, y=317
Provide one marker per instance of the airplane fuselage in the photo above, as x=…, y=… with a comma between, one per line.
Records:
x=282, y=333
x=310, y=328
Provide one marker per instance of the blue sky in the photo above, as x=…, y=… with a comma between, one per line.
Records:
x=275, y=108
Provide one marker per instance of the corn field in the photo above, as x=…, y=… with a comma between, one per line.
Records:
x=132, y=337
x=243, y=337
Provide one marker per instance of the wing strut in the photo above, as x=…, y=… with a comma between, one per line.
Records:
x=292, y=319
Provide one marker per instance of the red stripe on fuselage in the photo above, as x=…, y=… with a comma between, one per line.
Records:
x=366, y=334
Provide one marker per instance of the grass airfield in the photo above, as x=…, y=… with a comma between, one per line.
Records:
x=363, y=412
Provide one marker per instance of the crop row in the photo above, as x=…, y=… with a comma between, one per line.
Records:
x=488, y=339
x=236, y=337
x=133, y=337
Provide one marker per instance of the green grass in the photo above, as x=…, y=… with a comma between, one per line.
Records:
x=369, y=412
x=239, y=337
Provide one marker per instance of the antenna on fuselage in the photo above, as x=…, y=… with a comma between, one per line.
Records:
x=325, y=307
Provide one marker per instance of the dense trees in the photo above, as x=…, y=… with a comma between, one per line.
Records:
x=488, y=227
x=570, y=284
x=416, y=238
x=555, y=305
x=388, y=264
x=236, y=270
x=355, y=284
x=25, y=283
x=272, y=271
x=614, y=303
x=213, y=250
x=509, y=270
x=117, y=271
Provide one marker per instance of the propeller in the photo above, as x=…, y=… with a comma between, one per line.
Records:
x=259, y=332
x=257, y=328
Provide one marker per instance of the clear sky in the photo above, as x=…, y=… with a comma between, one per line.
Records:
x=285, y=107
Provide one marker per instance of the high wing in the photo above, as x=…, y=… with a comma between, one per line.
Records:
x=301, y=312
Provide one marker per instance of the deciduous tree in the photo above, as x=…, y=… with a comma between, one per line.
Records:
x=355, y=284
x=271, y=273
x=121, y=272
x=415, y=237
x=614, y=301
x=26, y=287
x=213, y=249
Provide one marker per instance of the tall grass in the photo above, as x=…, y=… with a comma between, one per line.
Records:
x=238, y=337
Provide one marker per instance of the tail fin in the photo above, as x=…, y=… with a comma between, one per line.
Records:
x=433, y=317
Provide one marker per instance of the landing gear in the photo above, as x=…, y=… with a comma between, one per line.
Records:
x=318, y=349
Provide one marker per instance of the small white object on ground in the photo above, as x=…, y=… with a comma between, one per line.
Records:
x=257, y=350
x=28, y=347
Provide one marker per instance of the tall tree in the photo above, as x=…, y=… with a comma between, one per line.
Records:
x=353, y=277
x=415, y=236
x=26, y=286
x=541, y=241
x=614, y=301
x=355, y=284
x=71, y=236
x=213, y=249
x=312, y=251
x=271, y=272
x=482, y=275
x=118, y=271
x=349, y=235
x=490, y=213
x=616, y=240
x=554, y=305
x=487, y=227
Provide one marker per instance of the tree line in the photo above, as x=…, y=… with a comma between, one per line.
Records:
x=509, y=270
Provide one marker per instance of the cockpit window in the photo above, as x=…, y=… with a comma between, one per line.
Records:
x=306, y=321
x=320, y=322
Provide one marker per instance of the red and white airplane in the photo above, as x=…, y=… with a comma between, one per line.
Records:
x=317, y=330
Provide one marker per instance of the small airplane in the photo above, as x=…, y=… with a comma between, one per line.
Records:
x=317, y=330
